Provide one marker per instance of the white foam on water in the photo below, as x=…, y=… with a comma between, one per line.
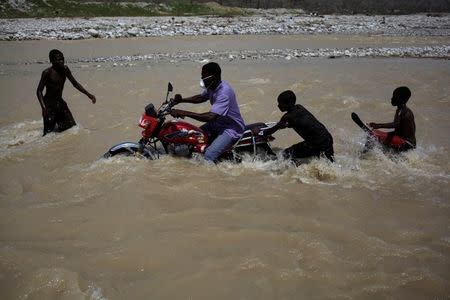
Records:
x=256, y=81
x=19, y=136
x=351, y=167
x=23, y=137
x=346, y=103
x=95, y=293
x=420, y=162
x=108, y=169
x=112, y=172
x=56, y=283
x=302, y=86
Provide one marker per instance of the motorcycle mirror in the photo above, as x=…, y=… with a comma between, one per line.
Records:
x=169, y=90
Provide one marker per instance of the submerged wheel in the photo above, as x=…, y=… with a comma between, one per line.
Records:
x=121, y=151
x=264, y=150
x=132, y=149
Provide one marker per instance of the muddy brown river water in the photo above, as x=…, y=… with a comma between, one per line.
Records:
x=74, y=226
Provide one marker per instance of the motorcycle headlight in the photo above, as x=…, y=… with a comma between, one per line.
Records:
x=143, y=122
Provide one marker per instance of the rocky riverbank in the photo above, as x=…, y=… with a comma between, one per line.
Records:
x=442, y=52
x=79, y=28
x=414, y=26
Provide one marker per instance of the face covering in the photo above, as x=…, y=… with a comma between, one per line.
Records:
x=202, y=83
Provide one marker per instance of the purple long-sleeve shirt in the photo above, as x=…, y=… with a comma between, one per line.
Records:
x=224, y=104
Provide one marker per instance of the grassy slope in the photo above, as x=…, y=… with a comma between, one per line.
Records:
x=71, y=8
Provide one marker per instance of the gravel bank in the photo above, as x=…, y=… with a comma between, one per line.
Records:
x=269, y=24
x=78, y=28
x=442, y=52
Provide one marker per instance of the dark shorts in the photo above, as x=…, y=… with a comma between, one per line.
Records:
x=305, y=150
x=59, y=118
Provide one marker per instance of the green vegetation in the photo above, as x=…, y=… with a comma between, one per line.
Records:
x=71, y=8
x=192, y=8
x=99, y=8
x=372, y=7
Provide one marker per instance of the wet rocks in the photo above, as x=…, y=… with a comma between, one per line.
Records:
x=272, y=54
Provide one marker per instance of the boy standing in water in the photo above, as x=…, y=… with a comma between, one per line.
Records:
x=403, y=137
x=55, y=112
x=317, y=141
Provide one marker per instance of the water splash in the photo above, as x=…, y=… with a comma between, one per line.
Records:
x=351, y=167
x=26, y=136
x=53, y=283
x=18, y=136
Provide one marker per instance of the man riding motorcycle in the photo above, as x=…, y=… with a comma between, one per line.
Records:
x=224, y=124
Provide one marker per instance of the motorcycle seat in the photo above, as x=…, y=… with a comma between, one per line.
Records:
x=253, y=125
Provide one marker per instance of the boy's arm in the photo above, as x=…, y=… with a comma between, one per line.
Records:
x=40, y=90
x=393, y=124
x=283, y=123
x=383, y=125
x=78, y=86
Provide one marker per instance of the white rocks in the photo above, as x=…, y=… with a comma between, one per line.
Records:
x=71, y=29
x=77, y=28
x=94, y=33
x=272, y=54
x=134, y=31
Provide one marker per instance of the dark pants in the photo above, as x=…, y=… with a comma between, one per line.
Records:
x=59, y=118
x=305, y=150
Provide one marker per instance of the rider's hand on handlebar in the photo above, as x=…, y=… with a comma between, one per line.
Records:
x=177, y=113
x=177, y=99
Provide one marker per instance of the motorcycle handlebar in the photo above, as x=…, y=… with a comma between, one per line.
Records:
x=166, y=108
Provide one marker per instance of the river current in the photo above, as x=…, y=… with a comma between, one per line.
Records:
x=76, y=226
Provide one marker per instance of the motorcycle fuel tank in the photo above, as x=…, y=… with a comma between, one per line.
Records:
x=180, y=132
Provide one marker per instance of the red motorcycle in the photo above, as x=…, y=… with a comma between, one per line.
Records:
x=182, y=139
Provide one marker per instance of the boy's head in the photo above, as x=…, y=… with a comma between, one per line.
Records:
x=286, y=100
x=56, y=58
x=400, y=96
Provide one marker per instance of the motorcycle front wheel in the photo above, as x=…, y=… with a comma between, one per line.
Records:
x=130, y=149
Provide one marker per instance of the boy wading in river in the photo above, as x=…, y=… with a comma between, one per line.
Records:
x=403, y=137
x=317, y=141
x=55, y=112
